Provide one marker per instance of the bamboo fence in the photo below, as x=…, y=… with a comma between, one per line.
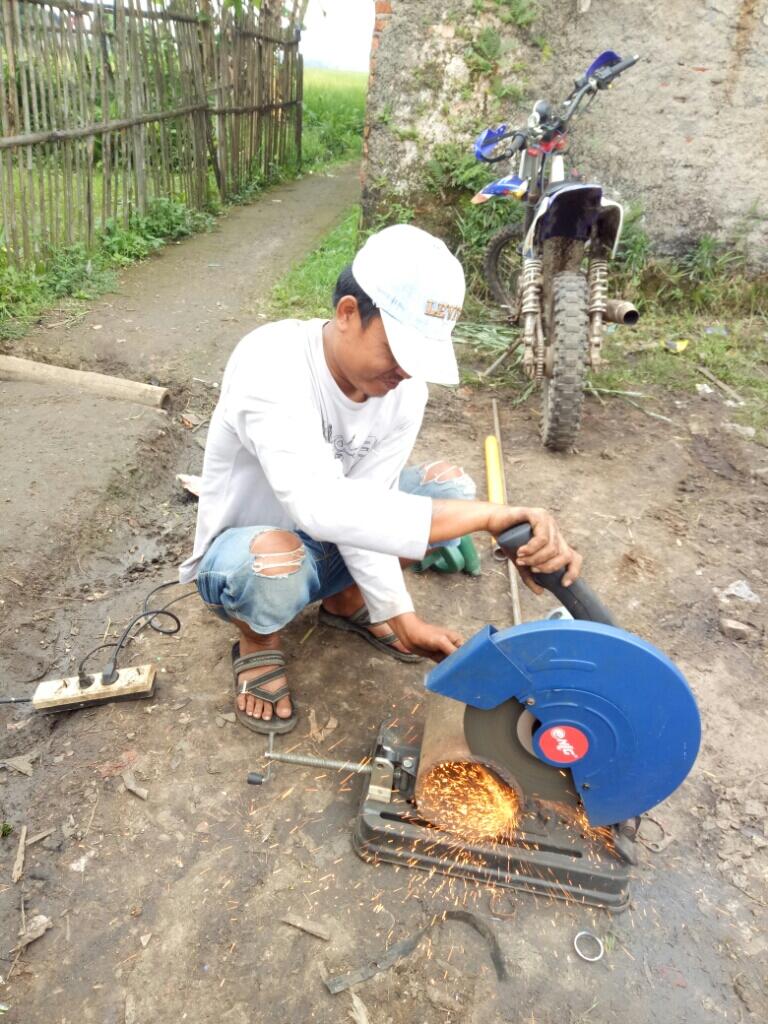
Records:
x=106, y=107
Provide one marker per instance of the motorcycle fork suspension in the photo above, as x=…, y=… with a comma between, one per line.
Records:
x=530, y=310
x=598, y=298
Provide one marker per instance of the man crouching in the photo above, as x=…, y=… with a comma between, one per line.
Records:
x=306, y=493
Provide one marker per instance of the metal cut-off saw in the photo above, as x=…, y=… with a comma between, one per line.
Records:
x=589, y=726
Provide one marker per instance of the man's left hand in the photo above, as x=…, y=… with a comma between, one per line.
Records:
x=435, y=642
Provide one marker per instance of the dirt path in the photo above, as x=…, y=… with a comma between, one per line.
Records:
x=179, y=314
x=74, y=460
x=170, y=908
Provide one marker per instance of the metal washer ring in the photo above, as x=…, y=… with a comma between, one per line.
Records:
x=582, y=954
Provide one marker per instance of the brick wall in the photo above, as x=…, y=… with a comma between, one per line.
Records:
x=382, y=20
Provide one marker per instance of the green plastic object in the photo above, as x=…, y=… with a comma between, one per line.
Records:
x=463, y=558
x=471, y=557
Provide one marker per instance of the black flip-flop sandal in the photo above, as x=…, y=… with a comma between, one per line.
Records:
x=359, y=623
x=255, y=687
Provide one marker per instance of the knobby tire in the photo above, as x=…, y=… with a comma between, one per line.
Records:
x=563, y=391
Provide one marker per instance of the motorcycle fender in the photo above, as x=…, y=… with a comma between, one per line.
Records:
x=541, y=211
x=570, y=212
x=609, y=224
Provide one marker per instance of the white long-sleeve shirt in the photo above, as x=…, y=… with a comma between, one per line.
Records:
x=286, y=448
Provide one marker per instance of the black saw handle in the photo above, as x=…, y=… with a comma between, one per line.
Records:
x=580, y=600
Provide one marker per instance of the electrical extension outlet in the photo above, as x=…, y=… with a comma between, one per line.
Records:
x=67, y=694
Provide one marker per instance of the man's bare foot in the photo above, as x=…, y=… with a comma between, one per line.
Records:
x=350, y=601
x=252, y=706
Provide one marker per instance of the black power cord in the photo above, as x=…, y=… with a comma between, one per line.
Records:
x=111, y=671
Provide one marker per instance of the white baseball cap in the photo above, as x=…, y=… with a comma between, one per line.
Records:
x=418, y=286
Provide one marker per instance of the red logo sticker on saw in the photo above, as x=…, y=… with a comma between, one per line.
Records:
x=563, y=743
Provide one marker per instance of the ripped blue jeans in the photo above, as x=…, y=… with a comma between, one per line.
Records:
x=231, y=583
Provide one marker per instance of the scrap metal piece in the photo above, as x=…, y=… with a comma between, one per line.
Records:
x=578, y=945
x=655, y=845
x=341, y=982
x=319, y=931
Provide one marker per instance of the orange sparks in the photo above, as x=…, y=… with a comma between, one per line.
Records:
x=598, y=834
x=470, y=801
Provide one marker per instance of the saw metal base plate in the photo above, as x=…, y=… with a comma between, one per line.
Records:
x=549, y=856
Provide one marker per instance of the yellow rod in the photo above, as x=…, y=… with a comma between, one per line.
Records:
x=493, y=471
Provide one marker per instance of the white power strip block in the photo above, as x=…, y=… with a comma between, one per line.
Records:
x=65, y=694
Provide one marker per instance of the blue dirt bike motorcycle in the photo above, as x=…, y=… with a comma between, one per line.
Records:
x=551, y=274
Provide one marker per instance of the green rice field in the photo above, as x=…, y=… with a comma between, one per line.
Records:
x=334, y=112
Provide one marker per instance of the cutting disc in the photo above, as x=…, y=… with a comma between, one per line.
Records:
x=502, y=736
x=614, y=714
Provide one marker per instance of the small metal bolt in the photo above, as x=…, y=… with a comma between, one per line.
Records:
x=408, y=762
x=530, y=702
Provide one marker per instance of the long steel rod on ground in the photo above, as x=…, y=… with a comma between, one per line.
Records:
x=359, y=767
x=514, y=588
x=497, y=362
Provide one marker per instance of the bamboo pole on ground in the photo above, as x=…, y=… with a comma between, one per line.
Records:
x=15, y=369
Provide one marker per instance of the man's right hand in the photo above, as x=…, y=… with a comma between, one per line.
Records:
x=420, y=637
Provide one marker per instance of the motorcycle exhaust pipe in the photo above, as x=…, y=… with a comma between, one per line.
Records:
x=619, y=311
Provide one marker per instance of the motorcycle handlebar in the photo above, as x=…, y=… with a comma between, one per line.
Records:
x=600, y=80
x=618, y=69
x=580, y=600
x=574, y=102
x=518, y=143
x=519, y=140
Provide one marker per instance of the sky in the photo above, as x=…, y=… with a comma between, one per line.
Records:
x=338, y=34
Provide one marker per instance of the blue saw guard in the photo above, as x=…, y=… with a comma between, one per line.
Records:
x=613, y=709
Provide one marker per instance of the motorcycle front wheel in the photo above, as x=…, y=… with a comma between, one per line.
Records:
x=565, y=373
x=503, y=265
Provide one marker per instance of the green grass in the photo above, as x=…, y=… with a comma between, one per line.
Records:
x=334, y=114
x=74, y=272
x=306, y=289
x=637, y=359
x=733, y=349
x=711, y=278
